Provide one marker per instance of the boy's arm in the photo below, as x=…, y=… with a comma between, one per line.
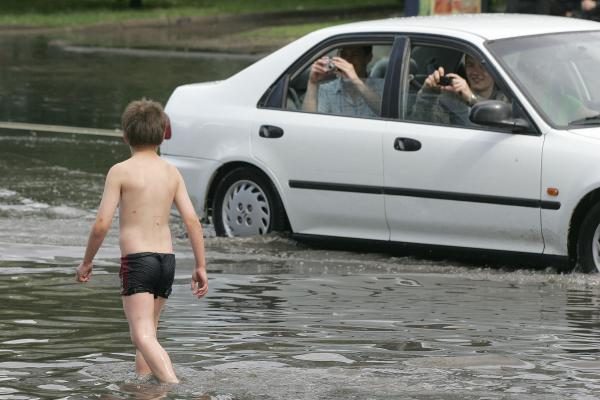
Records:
x=194, y=230
x=106, y=211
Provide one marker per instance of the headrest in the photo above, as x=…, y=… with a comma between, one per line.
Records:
x=379, y=68
x=413, y=67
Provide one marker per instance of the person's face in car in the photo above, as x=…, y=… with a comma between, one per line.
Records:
x=358, y=57
x=477, y=76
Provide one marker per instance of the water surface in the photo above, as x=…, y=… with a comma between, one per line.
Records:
x=324, y=328
x=44, y=83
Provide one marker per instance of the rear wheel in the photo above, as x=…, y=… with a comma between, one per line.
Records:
x=588, y=245
x=245, y=204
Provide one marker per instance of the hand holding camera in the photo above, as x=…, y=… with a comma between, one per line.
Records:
x=445, y=80
x=330, y=65
x=322, y=69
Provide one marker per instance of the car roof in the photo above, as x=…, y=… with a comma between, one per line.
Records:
x=485, y=26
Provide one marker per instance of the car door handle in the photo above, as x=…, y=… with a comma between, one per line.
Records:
x=406, y=144
x=270, y=132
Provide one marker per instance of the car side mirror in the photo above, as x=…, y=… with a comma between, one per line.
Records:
x=499, y=114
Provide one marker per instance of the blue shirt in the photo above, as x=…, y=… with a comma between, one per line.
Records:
x=335, y=98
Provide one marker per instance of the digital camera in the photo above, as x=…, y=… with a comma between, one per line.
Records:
x=445, y=80
x=330, y=65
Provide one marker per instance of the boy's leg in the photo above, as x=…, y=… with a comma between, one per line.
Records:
x=141, y=366
x=139, y=309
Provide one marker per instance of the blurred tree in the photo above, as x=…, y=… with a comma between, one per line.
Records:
x=135, y=3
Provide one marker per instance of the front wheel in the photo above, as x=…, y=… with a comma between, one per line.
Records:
x=588, y=245
x=245, y=204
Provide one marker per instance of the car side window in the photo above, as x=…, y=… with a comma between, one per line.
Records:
x=345, y=80
x=444, y=84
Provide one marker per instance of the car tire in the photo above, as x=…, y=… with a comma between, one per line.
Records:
x=588, y=245
x=246, y=204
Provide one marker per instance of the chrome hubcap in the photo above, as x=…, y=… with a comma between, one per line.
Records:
x=596, y=248
x=245, y=210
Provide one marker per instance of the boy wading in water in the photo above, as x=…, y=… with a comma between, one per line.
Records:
x=144, y=187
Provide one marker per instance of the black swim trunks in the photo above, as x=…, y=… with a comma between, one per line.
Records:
x=147, y=273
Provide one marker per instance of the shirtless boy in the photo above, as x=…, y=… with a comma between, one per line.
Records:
x=144, y=187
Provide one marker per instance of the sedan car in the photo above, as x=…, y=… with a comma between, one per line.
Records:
x=343, y=133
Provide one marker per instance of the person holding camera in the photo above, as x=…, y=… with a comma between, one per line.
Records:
x=447, y=98
x=340, y=85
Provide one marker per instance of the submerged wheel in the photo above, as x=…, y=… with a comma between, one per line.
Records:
x=588, y=245
x=245, y=204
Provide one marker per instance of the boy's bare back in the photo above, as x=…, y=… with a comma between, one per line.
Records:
x=148, y=186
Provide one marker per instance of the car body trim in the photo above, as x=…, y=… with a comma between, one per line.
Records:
x=428, y=194
x=336, y=187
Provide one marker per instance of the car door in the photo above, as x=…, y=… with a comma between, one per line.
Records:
x=454, y=185
x=328, y=167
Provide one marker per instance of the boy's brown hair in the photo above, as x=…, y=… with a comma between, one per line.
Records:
x=143, y=123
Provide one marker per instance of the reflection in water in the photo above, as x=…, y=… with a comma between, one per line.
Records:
x=140, y=391
x=583, y=315
x=148, y=391
x=583, y=308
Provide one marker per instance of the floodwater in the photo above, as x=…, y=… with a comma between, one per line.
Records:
x=282, y=320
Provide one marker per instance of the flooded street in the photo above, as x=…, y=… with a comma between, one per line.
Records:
x=282, y=320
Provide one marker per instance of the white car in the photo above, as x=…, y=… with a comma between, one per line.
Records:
x=517, y=173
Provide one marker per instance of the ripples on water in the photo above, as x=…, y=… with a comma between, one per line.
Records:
x=326, y=335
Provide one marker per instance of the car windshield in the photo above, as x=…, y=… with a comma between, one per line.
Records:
x=558, y=73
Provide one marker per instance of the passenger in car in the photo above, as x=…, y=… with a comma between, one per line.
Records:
x=351, y=92
x=448, y=98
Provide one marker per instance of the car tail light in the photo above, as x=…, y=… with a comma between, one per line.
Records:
x=168, y=132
